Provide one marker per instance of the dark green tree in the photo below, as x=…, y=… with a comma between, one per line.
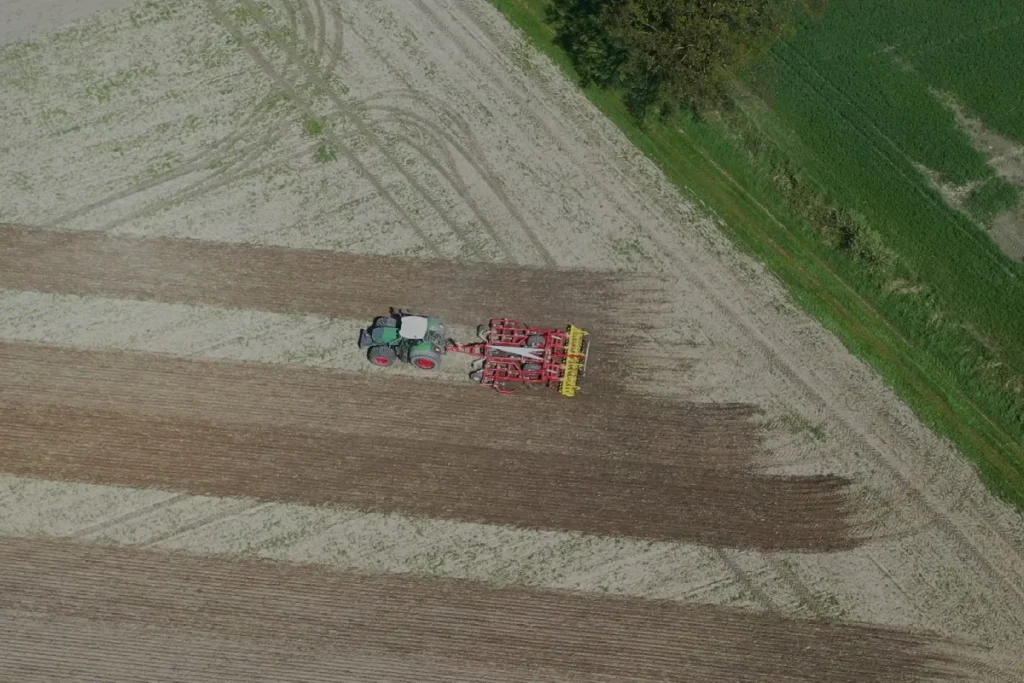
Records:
x=667, y=53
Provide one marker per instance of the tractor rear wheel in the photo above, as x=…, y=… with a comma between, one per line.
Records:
x=425, y=358
x=382, y=356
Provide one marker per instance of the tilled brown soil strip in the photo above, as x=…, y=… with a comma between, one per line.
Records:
x=311, y=281
x=381, y=405
x=303, y=613
x=541, y=491
x=279, y=433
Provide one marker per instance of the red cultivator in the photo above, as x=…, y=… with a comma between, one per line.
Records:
x=512, y=352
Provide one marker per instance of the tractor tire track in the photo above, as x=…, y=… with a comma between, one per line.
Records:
x=136, y=513
x=281, y=434
x=334, y=50
x=409, y=628
x=244, y=507
x=501, y=79
x=452, y=176
x=208, y=156
x=748, y=584
x=434, y=135
x=197, y=163
x=236, y=170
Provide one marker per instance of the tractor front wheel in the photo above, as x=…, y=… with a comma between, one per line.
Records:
x=382, y=356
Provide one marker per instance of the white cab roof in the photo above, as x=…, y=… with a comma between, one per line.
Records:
x=413, y=327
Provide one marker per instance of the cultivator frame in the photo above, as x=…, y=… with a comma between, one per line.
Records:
x=511, y=352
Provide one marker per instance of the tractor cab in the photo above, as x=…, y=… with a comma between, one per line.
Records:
x=413, y=327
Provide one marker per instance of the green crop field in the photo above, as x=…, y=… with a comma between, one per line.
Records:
x=858, y=90
x=830, y=171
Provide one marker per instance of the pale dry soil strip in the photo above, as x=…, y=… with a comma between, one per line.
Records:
x=278, y=433
x=446, y=627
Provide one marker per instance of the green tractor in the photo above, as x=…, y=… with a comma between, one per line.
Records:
x=400, y=337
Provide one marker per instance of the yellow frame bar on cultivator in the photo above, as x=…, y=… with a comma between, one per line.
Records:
x=577, y=344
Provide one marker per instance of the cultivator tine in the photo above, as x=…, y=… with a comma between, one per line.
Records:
x=576, y=346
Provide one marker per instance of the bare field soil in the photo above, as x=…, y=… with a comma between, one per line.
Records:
x=433, y=131
x=286, y=434
x=439, y=626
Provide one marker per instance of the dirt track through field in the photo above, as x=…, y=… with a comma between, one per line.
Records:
x=656, y=471
x=325, y=283
x=406, y=628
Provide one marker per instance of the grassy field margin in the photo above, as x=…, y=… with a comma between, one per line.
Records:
x=710, y=168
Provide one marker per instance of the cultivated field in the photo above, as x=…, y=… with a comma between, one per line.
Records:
x=201, y=203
